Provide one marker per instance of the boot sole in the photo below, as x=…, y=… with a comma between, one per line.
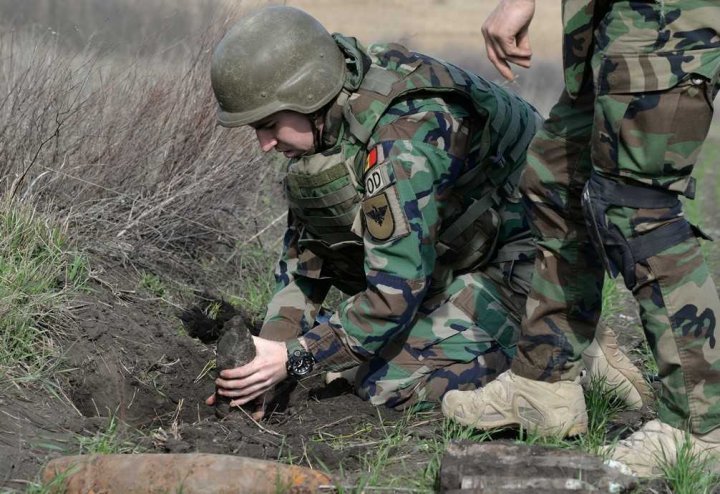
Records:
x=575, y=429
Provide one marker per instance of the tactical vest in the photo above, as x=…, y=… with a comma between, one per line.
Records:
x=324, y=190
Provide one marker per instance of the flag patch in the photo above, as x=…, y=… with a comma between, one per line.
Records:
x=374, y=156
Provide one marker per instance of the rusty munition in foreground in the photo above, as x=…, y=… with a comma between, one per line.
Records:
x=187, y=473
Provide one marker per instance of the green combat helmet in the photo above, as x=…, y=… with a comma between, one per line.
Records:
x=278, y=58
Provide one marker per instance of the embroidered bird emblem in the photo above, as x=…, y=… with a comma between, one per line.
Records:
x=377, y=214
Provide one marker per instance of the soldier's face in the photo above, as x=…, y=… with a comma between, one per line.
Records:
x=286, y=132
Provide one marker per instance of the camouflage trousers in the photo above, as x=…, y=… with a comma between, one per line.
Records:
x=637, y=145
x=461, y=338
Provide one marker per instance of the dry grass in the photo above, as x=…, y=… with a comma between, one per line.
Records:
x=127, y=152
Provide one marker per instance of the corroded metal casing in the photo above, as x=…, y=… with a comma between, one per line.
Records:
x=188, y=473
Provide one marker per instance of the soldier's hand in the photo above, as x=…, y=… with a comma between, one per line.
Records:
x=244, y=384
x=507, y=37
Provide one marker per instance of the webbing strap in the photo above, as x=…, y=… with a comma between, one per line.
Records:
x=356, y=128
x=474, y=254
x=344, y=219
x=301, y=180
x=633, y=196
x=455, y=73
x=690, y=189
x=659, y=239
x=514, y=250
x=473, y=212
x=512, y=180
x=511, y=131
x=327, y=200
x=500, y=112
x=333, y=241
x=522, y=144
x=477, y=173
x=478, y=81
x=379, y=80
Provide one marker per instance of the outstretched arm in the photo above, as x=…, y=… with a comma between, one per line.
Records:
x=506, y=33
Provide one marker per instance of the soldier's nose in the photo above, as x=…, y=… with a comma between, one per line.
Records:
x=266, y=140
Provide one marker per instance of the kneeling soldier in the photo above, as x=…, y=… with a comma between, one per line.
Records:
x=402, y=189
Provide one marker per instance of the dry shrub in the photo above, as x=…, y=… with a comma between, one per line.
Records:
x=129, y=152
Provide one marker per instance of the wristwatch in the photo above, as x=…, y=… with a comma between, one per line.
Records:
x=300, y=362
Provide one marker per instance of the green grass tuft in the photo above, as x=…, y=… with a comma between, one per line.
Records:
x=603, y=405
x=688, y=473
x=106, y=441
x=152, y=284
x=38, y=275
x=256, y=282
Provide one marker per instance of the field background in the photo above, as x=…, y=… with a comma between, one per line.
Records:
x=439, y=27
x=124, y=206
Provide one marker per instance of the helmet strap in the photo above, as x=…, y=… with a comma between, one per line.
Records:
x=316, y=121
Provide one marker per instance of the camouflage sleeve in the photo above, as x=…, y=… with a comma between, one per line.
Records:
x=416, y=153
x=297, y=297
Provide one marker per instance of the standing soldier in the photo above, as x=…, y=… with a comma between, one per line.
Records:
x=402, y=192
x=602, y=187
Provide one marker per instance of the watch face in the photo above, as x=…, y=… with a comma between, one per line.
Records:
x=300, y=363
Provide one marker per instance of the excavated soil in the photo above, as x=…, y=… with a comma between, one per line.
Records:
x=133, y=371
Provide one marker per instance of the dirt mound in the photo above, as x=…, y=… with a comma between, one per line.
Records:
x=134, y=376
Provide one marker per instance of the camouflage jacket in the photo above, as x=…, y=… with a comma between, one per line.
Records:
x=684, y=44
x=420, y=148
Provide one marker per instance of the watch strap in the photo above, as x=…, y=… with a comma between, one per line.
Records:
x=293, y=345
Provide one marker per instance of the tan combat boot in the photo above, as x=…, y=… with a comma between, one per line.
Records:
x=548, y=409
x=606, y=363
x=656, y=445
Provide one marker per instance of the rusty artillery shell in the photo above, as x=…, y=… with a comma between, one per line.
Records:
x=186, y=473
x=234, y=349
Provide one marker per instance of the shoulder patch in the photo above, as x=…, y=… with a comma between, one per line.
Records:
x=376, y=180
x=378, y=217
x=384, y=218
x=378, y=174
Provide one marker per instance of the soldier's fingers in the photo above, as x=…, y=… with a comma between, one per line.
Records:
x=519, y=51
x=227, y=385
x=210, y=400
x=522, y=62
x=241, y=372
x=247, y=399
x=516, y=47
x=505, y=51
x=259, y=405
x=233, y=390
x=271, y=357
x=261, y=375
x=497, y=58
